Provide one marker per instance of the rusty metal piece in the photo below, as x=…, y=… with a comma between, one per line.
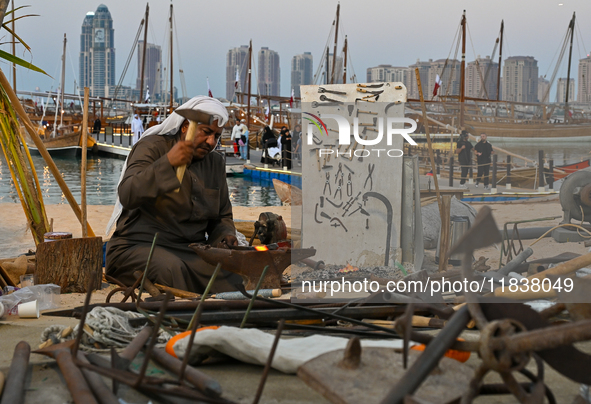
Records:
x=254, y=296
x=206, y=384
x=377, y=370
x=14, y=392
x=249, y=264
x=259, y=392
x=153, y=339
x=75, y=381
x=149, y=286
x=103, y=394
x=194, y=323
x=565, y=359
x=123, y=360
x=424, y=365
x=352, y=356
x=499, y=359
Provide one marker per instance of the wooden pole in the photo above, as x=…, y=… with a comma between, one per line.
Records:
x=42, y=150
x=508, y=182
x=463, y=71
x=493, y=185
x=13, y=49
x=551, y=177
x=336, y=35
x=144, y=53
x=541, y=184
x=248, y=105
x=83, y=168
x=431, y=157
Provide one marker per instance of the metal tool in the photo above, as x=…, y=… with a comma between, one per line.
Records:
x=334, y=204
x=325, y=98
x=339, y=171
x=316, y=214
x=370, y=85
x=350, y=108
x=389, y=215
x=349, y=169
x=79, y=389
x=339, y=190
x=249, y=264
x=324, y=90
x=349, y=186
x=336, y=219
x=362, y=90
x=366, y=112
x=370, y=169
x=316, y=104
x=350, y=203
x=327, y=184
x=325, y=215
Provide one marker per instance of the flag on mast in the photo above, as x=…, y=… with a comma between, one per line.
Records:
x=437, y=85
x=291, y=99
x=209, y=89
x=147, y=94
x=237, y=79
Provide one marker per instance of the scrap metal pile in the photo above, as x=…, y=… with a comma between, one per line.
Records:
x=511, y=335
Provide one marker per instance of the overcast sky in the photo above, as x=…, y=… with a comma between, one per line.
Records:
x=379, y=32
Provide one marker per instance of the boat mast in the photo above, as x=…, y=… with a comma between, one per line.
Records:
x=248, y=100
x=171, y=70
x=13, y=50
x=345, y=61
x=500, y=61
x=327, y=81
x=63, y=80
x=336, y=35
x=144, y=53
x=463, y=70
x=571, y=27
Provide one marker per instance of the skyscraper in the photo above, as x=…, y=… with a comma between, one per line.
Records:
x=269, y=74
x=584, y=94
x=152, y=71
x=97, y=53
x=236, y=61
x=479, y=72
x=561, y=90
x=520, y=82
x=301, y=71
x=543, y=89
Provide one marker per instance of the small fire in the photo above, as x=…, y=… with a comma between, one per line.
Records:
x=261, y=248
x=348, y=268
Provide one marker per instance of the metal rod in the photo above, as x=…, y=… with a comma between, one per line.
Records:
x=84, y=313
x=153, y=339
x=97, y=384
x=193, y=324
x=14, y=392
x=254, y=296
x=429, y=359
x=259, y=392
x=206, y=384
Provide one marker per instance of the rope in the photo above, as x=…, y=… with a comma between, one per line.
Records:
x=562, y=225
x=106, y=325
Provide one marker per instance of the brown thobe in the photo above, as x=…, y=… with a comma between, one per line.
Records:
x=150, y=205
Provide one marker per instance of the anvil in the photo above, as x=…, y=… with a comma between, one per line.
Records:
x=250, y=263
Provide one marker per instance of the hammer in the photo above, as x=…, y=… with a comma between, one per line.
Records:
x=195, y=118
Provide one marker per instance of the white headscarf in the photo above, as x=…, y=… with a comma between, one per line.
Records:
x=169, y=127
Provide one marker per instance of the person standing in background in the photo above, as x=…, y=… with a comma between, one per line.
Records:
x=137, y=128
x=483, y=152
x=464, y=149
x=243, y=139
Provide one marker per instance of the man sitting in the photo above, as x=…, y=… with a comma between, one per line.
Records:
x=148, y=204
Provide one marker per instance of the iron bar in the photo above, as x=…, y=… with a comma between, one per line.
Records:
x=259, y=392
x=254, y=295
x=14, y=392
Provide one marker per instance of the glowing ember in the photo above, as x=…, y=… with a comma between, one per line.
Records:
x=348, y=268
x=261, y=248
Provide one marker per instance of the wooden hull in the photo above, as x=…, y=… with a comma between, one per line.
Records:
x=63, y=146
x=288, y=193
x=527, y=177
x=528, y=130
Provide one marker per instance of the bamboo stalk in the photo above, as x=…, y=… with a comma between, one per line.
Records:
x=27, y=189
x=44, y=153
x=83, y=168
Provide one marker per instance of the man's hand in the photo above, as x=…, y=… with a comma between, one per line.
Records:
x=181, y=153
x=227, y=240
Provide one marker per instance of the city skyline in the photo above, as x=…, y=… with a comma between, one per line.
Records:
x=531, y=28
